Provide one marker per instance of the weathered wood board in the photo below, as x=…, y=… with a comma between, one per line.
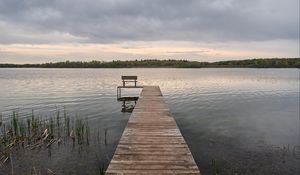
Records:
x=152, y=143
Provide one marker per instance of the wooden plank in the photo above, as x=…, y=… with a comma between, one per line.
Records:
x=129, y=77
x=152, y=143
x=124, y=87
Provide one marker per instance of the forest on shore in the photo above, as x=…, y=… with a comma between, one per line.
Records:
x=169, y=63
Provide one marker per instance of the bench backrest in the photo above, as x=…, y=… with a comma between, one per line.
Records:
x=129, y=77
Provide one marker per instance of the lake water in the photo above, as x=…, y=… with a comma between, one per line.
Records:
x=243, y=121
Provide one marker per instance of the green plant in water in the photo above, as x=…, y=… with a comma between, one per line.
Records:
x=0, y=120
x=32, y=115
x=215, y=168
x=101, y=169
x=57, y=118
x=36, y=132
x=87, y=131
x=22, y=128
x=3, y=135
x=28, y=126
x=58, y=122
x=79, y=129
x=51, y=127
x=67, y=122
x=34, y=124
x=1, y=132
x=105, y=136
x=15, y=123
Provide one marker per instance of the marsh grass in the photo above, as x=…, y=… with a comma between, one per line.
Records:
x=34, y=132
x=215, y=169
x=79, y=130
x=101, y=169
x=0, y=119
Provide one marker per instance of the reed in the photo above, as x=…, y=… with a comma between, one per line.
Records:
x=51, y=126
x=33, y=132
x=79, y=130
x=34, y=124
x=105, y=136
x=22, y=128
x=67, y=121
x=57, y=118
x=101, y=169
x=215, y=167
x=0, y=119
x=87, y=131
x=15, y=123
x=28, y=126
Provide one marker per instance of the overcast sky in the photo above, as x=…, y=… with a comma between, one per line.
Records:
x=204, y=30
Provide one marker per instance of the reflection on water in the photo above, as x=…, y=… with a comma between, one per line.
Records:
x=243, y=121
x=128, y=103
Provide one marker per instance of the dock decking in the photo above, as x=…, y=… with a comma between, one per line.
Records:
x=152, y=143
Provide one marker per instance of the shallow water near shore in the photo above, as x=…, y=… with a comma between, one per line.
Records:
x=243, y=121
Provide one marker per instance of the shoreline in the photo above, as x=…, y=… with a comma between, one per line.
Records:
x=249, y=63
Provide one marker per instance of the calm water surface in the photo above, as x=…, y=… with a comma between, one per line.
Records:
x=243, y=121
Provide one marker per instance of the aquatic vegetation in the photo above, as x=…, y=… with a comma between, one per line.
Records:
x=215, y=169
x=0, y=120
x=79, y=129
x=67, y=122
x=101, y=169
x=15, y=123
x=34, y=132
x=105, y=137
x=87, y=131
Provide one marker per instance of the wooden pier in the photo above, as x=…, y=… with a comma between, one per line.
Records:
x=152, y=143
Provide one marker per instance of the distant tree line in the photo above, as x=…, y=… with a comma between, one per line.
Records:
x=170, y=63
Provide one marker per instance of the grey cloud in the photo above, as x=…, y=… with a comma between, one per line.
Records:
x=109, y=21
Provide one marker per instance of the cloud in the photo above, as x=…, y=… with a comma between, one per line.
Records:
x=115, y=21
x=27, y=53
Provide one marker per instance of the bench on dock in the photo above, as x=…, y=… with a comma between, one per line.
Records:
x=126, y=79
x=129, y=79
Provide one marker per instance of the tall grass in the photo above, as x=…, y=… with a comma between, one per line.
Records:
x=34, y=132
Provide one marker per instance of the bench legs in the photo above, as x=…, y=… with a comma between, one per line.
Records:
x=125, y=82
